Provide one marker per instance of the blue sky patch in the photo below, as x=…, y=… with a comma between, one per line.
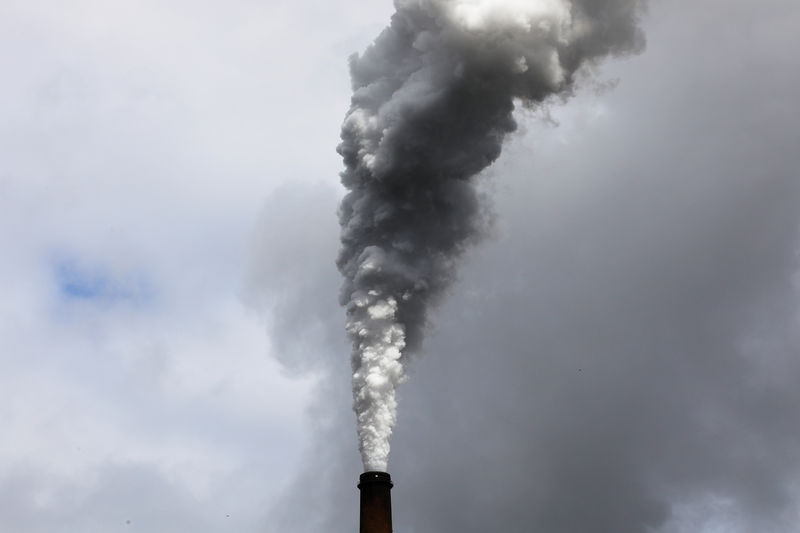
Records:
x=95, y=283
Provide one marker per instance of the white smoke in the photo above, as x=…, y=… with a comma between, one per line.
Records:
x=433, y=100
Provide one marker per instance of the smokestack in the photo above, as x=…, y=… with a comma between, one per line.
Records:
x=376, y=502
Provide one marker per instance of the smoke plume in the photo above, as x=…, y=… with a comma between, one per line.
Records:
x=433, y=100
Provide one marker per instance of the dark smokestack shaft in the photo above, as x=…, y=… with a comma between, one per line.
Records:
x=376, y=502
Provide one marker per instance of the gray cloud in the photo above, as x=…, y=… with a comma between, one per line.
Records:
x=123, y=498
x=624, y=357
x=290, y=274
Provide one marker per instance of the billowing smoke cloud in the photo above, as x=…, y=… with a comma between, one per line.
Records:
x=433, y=101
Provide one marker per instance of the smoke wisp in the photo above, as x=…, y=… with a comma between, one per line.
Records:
x=433, y=100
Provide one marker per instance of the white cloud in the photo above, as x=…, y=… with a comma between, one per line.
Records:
x=137, y=144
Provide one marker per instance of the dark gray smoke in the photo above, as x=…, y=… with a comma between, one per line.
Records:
x=433, y=101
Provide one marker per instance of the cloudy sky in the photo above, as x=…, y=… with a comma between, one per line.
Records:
x=620, y=356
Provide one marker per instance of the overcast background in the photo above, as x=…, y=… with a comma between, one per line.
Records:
x=621, y=356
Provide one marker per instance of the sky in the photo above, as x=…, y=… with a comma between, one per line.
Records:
x=619, y=355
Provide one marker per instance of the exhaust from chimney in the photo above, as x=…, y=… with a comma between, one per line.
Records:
x=434, y=99
x=376, y=502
